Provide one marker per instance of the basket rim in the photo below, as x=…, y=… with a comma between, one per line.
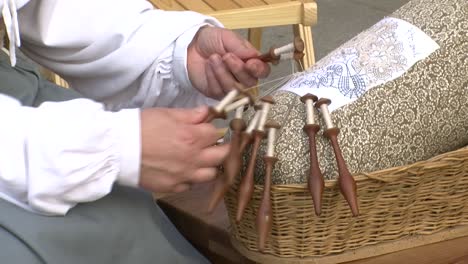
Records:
x=389, y=175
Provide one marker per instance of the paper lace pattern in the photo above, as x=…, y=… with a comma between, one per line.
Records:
x=378, y=55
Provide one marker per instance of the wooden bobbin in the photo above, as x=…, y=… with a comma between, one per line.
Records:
x=274, y=54
x=247, y=183
x=345, y=179
x=292, y=56
x=218, y=110
x=245, y=99
x=232, y=163
x=264, y=215
x=247, y=135
x=315, y=181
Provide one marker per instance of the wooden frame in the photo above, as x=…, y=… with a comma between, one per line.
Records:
x=302, y=15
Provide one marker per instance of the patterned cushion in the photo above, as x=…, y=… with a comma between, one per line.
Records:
x=416, y=116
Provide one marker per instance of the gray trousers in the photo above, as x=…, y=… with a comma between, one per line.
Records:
x=123, y=227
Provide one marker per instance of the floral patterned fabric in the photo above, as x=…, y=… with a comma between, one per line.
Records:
x=419, y=115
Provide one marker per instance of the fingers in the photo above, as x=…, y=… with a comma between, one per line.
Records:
x=188, y=116
x=205, y=134
x=212, y=156
x=257, y=68
x=226, y=71
x=204, y=175
x=215, y=90
x=237, y=45
x=238, y=68
x=222, y=73
x=183, y=187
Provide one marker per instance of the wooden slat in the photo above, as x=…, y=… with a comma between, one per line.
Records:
x=277, y=1
x=221, y=4
x=195, y=5
x=169, y=5
x=262, y=16
x=250, y=3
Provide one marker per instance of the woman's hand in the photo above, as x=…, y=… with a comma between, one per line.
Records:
x=217, y=58
x=178, y=149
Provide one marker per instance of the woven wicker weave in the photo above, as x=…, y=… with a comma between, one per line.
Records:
x=421, y=198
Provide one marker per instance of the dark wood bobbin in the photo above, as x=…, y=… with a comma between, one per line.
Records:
x=264, y=215
x=270, y=57
x=346, y=181
x=309, y=96
x=298, y=55
x=213, y=114
x=247, y=183
x=274, y=54
x=246, y=186
x=268, y=99
x=315, y=181
x=299, y=45
x=231, y=165
x=322, y=101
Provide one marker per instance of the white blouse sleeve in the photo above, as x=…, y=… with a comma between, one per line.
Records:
x=120, y=52
x=61, y=154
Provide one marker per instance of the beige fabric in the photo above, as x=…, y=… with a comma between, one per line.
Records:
x=417, y=116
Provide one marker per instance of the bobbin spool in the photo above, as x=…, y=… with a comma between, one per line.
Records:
x=218, y=111
x=315, y=181
x=247, y=134
x=264, y=216
x=246, y=186
x=243, y=100
x=345, y=180
x=274, y=55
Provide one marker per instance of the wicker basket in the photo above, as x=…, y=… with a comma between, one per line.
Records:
x=418, y=199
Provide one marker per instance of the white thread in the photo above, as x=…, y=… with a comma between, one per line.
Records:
x=326, y=116
x=236, y=104
x=310, y=112
x=284, y=49
x=271, y=142
x=239, y=112
x=264, y=116
x=287, y=56
x=253, y=123
x=226, y=100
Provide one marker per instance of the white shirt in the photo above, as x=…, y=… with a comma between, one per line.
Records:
x=122, y=53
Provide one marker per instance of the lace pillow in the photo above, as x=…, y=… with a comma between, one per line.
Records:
x=422, y=111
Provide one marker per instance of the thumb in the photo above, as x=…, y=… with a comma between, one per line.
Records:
x=192, y=115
